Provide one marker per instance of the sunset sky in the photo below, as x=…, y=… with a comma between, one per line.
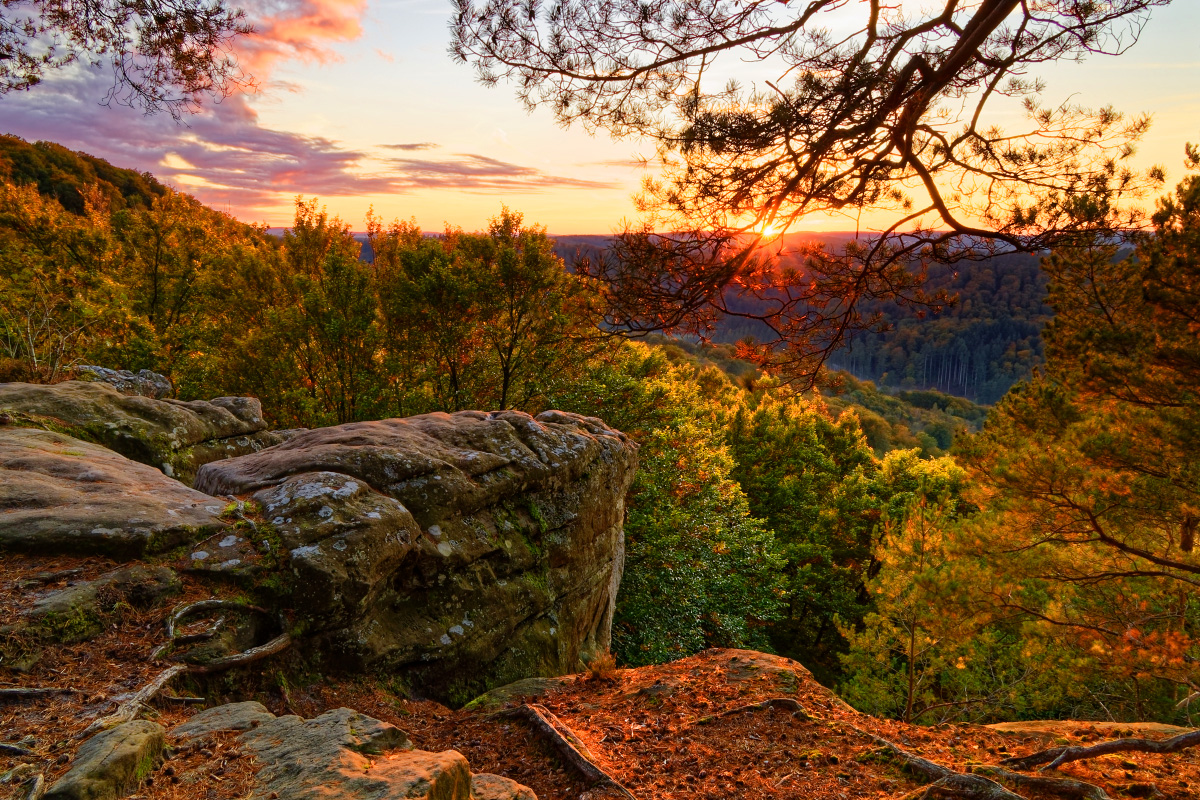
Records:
x=360, y=105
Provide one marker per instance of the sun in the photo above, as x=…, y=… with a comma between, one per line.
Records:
x=771, y=229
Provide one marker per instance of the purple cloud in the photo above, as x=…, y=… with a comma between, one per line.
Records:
x=412, y=146
x=225, y=157
x=476, y=173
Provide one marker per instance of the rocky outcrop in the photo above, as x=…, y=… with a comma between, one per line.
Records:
x=76, y=612
x=176, y=437
x=229, y=717
x=63, y=495
x=463, y=550
x=111, y=763
x=495, y=787
x=345, y=755
x=144, y=383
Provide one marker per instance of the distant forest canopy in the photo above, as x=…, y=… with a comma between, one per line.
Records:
x=976, y=348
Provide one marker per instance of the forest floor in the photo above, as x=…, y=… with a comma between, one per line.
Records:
x=664, y=732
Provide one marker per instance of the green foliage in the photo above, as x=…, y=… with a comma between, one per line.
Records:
x=70, y=177
x=700, y=571
x=487, y=320
x=810, y=477
x=1093, y=466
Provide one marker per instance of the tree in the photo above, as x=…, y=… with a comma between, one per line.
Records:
x=539, y=316
x=891, y=117
x=1094, y=462
x=164, y=55
x=809, y=477
x=700, y=570
x=488, y=320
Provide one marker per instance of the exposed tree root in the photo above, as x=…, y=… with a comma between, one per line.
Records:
x=22, y=693
x=174, y=639
x=945, y=781
x=569, y=747
x=171, y=698
x=129, y=710
x=15, y=750
x=37, y=787
x=1057, y=756
x=277, y=645
x=786, y=703
x=1059, y=787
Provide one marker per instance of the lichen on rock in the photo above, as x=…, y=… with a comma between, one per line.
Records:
x=462, y=550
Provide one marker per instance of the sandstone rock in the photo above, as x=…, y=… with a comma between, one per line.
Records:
x=463, y=550
x=144, y=384
x=495, y=787
x=172, y=435
x=75, y=613
x=111, y=763
x=62, y=495
x=518, y=690
x=328, y=757
x=230, y=717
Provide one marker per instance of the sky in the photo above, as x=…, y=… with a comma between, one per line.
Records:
x=360, y=105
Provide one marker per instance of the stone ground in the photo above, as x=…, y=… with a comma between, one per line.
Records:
x=655, y=729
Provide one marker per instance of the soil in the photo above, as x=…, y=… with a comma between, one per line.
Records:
x=667, y=732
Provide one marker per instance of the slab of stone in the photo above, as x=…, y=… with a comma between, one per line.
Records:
x=519, y=690
x=345, y=754
x=163, y=433
x=112, y=763
x=485, y=786
x=461, y=551
x=75, y=613
x=142, y=384
x=229, y=717
x=62, y=495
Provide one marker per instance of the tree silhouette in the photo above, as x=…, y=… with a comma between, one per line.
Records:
x=164, y=54
x=853, y=108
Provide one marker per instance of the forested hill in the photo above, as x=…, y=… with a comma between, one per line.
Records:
x=66, y=175
x=977, y=348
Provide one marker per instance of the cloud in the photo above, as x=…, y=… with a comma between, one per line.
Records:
x=297, y=29
x=412, y=146
x=477, y=173
x=628, y=163
x=226, y=158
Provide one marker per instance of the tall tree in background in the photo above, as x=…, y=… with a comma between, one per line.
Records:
x=164, y=54
x=891, y=117
x=1094, y=463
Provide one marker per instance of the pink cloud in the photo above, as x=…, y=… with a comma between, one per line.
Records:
x=226, y=158
x=297, y=29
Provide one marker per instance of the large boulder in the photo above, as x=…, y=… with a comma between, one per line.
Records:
x=111, y=763
x=63, y=495
x=464, y=551
x=338, y=755
x=172, y=435
x=143, y=383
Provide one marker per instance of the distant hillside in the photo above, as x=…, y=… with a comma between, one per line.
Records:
x=891, y=420
x=64, y=174
x=977, y=348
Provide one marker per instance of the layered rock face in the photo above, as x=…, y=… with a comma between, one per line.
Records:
x=174, y=436
x=465, y=550
x=460, y=551
x=63, y=495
